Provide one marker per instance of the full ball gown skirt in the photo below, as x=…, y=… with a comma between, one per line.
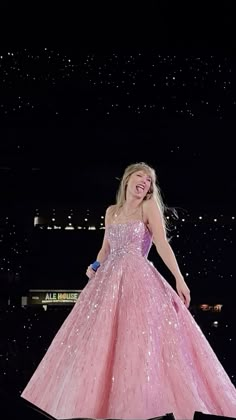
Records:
x=130, y=349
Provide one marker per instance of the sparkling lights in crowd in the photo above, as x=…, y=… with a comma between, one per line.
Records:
x=142, y=83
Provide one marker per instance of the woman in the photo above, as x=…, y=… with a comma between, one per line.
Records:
x=130, y=348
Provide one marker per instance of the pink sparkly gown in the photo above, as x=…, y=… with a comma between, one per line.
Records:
x=130, y=349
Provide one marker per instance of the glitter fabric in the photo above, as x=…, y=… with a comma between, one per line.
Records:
x=129, y=348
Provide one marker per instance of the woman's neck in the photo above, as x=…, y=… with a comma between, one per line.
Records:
x=132, y=203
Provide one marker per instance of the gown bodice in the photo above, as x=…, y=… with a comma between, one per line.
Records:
x=132, y=237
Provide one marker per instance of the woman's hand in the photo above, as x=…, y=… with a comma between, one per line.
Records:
x=90, y=272
x=183, y=291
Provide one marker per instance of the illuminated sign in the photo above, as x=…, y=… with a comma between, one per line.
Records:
x=214, y=308
x=53, y=297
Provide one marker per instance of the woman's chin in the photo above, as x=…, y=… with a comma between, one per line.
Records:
x=139, y=196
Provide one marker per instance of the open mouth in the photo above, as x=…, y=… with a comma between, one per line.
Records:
x=139, y=188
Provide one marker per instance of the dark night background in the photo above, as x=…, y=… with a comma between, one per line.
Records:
x=70, y=125
x=73, y=117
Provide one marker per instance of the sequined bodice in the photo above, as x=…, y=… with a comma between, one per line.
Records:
x=131, y=237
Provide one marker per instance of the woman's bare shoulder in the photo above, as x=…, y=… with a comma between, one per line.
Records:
x=110, y=213
x=111, y=209
x=149, y=205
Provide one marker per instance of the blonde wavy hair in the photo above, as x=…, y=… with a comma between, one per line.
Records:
x=154, y=191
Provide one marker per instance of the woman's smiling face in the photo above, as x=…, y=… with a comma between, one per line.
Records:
x=139, y=184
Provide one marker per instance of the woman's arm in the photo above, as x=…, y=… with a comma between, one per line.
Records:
x=105, y=248
x=156, y=226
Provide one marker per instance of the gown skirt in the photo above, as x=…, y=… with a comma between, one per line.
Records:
x=129, y=348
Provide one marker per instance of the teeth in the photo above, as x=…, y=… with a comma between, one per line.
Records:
x=140, y=187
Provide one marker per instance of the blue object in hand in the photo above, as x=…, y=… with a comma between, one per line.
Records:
x=95, y=265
